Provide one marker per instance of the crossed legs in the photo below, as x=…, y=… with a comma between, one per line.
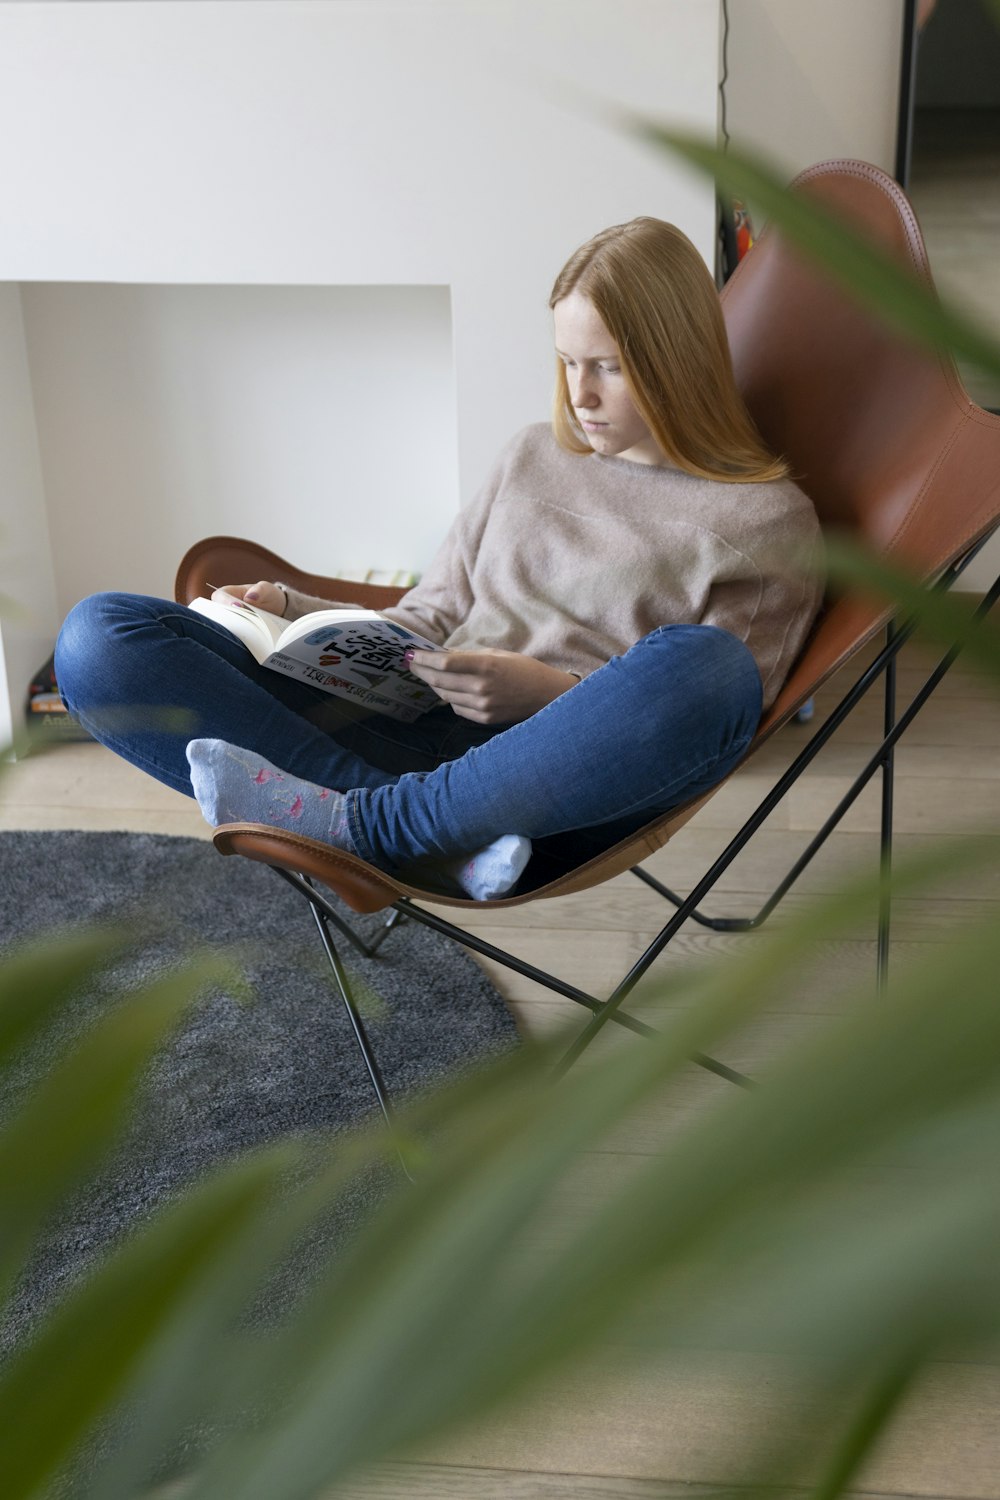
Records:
x=653, y=727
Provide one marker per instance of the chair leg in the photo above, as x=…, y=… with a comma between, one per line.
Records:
x=881, y=761
x=804, y=758
x=354, y=1015
x=325, y=918
x=394, y=919
x=882, y=756
x=378, y=1083
x=560, y=987
x=305, y=887
x=885, y=844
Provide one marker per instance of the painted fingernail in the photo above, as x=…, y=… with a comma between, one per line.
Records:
x=408, y=656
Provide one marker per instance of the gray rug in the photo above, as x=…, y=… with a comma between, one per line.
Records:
x=238, y=1074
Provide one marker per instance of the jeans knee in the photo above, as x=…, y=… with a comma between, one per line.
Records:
x=725, y=659
x=706, y=676
x=86, y=638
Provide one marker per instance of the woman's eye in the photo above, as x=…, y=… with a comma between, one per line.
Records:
x=611, y=369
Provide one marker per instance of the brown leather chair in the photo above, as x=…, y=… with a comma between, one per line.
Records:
x=893, y=454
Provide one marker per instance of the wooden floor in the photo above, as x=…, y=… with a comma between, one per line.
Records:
x=955, y=189
x=609, y=1429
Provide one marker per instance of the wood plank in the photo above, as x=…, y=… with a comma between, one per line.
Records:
x=400, y=1481
x=84, y=775
x=924, y=757
x=417, y=1481
x=596, y=966
x=625, y=903
x=922, y=803
x=181, y=823
x=698, y=1418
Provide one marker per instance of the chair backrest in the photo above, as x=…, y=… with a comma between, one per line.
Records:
x=235, y=560
x=879, y=433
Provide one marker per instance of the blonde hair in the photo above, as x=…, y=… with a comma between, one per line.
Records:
x=654, y=295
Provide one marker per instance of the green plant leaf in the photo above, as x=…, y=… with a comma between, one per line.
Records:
x=206, y=1370
x=352, y=1376
x=68, y=1121
x=315, y=1441
x=948, y=618
x=357, y=1362
x=839, y=1279
x=853, y=262
x=828, y=1101
x=37, y=979
x=820, y=1107
x=78, y=1366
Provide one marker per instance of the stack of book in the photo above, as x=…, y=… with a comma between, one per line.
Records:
x=397, y=577
x=46, y=713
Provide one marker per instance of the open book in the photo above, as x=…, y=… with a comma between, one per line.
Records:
x=353, y=653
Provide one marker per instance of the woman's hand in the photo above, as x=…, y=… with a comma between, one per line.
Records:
x=491, y=687
x=263, y=595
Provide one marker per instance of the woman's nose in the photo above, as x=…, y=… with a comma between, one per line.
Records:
x=583, y=392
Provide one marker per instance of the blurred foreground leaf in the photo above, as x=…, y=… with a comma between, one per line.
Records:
x=947, y=618
x=458, y=1294
x=363, y=1362
x=80, y=1363
x=873, y=277
x=58, y=1135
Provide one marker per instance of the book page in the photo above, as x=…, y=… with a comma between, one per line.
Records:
x=361, y=649
x=257, y=629
x=319, y=620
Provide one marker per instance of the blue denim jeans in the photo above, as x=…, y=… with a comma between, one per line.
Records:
x=653, y=727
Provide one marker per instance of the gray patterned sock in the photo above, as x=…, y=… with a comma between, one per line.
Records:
x=234, y=785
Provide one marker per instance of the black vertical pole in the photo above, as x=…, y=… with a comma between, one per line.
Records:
x=904, y=152
x=885, y=841
x=907, y=90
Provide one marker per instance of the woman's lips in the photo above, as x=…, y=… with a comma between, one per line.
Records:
x=593, y=426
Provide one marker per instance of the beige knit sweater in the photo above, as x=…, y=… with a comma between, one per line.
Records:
x=572, y=558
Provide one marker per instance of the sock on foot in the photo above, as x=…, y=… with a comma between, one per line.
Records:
x=493, y=870
x=233, y=785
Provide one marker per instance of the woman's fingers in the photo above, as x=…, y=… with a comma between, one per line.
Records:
x=490, y=686
x=449, y=676
x=263, y=594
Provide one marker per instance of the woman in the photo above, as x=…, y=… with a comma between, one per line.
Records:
x=622, y=599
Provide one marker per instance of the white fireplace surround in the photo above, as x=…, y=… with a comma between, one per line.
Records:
x=281, y=267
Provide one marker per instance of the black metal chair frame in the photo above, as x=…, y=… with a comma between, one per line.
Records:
x=897, y=633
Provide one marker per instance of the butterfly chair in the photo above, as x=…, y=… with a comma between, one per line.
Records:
x=893, y=454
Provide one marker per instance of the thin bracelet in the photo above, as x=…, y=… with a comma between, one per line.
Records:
x=284, y=589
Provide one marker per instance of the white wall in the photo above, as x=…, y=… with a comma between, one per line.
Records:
x=355, y=143
x=809, y=81
x=319, y=420
x=28, y=610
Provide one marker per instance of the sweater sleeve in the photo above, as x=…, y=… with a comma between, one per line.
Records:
x=299, y=604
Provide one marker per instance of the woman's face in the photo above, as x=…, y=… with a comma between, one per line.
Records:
x=597, y=390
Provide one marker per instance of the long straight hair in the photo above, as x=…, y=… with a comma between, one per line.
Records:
x=654, y=295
